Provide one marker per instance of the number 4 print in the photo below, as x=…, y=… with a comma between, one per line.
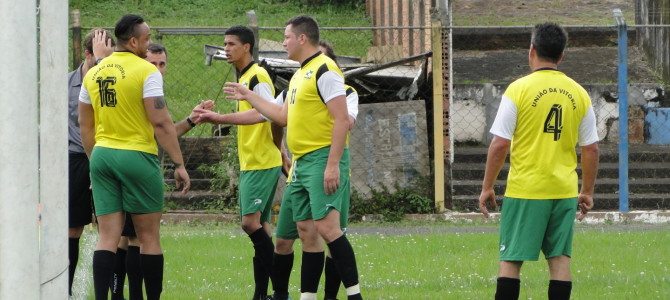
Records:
x=554, y=122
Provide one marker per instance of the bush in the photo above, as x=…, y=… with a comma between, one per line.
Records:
x=417, y=198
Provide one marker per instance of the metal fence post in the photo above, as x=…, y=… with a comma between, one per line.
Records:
x=253, y=24
x=438, y=128
x=76, y=39
x=623, y=109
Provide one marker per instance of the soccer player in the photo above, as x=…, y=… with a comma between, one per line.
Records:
x=542, y=116
x=80, y=209
x=121, y=109
x=315, y=113
x=259, y=145
x=128, y=251
x=287, y=231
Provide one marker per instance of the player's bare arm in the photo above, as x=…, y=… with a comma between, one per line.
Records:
x=248, y=117
x=272, y=111
x=87, y=127
x=494, y=161
x=590, y=160
x=166, y=135
x=338, y=110
x=184, y=125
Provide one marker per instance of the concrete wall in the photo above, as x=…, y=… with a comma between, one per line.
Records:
x=475, y=107
x=655, y=42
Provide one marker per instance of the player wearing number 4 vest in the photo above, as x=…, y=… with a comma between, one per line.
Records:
x=541, y=118
x=259, y=145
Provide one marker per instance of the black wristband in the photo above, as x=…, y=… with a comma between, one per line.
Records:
x=190, y=122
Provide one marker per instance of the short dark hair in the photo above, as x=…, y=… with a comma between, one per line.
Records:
x=549, y=40
x=157, y=48
x=304, y=24
x=244, y=34
x=330, y=52
x=125, y=28
x=88, y=39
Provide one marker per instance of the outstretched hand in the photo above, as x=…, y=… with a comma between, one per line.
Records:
x=202, y=106
x=236, y=91
x=205, y=116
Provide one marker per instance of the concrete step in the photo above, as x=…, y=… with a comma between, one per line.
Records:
x=473, y=171
x=601, y=201
x=196, y=184
x=192, y=173
x=608, y=153
x=193, y=197
x=606, y=185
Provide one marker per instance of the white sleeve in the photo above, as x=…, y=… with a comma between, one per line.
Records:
x=263, y=89
x=330, y=85
x=153, y=85
x=84, y=96
x=280, y=98
x=505, y=122
x=588, y=133
x=352, y=104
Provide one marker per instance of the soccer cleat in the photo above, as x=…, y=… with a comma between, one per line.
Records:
x=275, y=297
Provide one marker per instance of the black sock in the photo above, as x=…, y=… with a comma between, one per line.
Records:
x=281, y=273
x=134, y=272
x=508, y=288
x=103, y=266
x=345, y=261
x=311, y=269
x=559, y=289
x=152, y=272
x=119, y=275
x=73, y=255
x=333, y=281
x=263, y=250
x=261, y=279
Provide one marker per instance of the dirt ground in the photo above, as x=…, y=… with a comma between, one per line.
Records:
x=587, y=65
x=567, y=12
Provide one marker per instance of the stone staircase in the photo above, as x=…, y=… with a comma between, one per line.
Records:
x=648, y=177
x=197, y=151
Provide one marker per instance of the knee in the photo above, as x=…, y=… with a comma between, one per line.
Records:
x=75, y=232
x=283, y=246
x=250, y=224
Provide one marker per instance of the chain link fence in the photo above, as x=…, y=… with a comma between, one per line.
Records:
x=391, y=143
x=481, y=76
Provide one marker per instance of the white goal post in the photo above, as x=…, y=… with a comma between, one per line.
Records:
x=33, y=149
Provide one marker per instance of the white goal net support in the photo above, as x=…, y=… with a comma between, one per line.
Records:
x=33, y=149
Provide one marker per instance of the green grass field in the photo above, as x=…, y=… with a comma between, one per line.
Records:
x=438, y=261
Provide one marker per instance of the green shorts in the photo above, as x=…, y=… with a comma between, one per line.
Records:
x=528, y=226
x=257, y=190
x=125, y=180
x=304, y=197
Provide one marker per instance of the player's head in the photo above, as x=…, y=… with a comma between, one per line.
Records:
x=88, y=40
x=300, y=30
x=328, y=50
x=549, y=40
x=157, y=55
x=133, y=34
x=239, y=42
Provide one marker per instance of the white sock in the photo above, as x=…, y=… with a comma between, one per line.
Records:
x=353, y=290
x=308, y=296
